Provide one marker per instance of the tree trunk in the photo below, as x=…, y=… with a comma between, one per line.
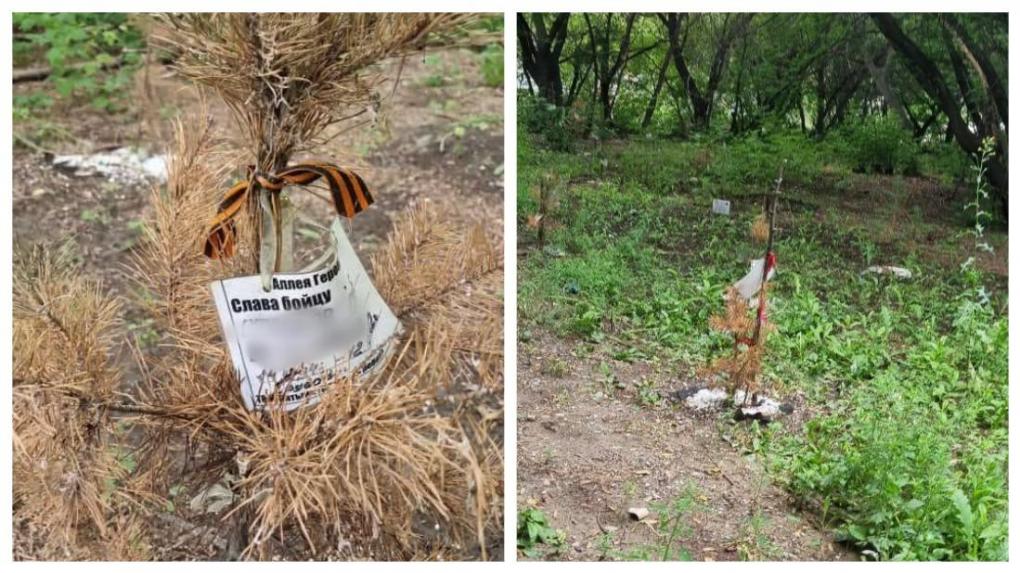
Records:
x=819, y=124
x=608, y=75
x=576, y=84
x=878, y=67
x=699, y=106
x=654, y=100
x=928, y=75
x=540, y=53
x=960, y=72
x=702, y=101
x=986, y=71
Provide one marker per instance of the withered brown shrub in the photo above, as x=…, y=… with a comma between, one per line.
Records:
x=378, y=466
x=740, y=369
x=66, y=466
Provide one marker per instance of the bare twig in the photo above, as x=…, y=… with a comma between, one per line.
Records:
x=43, y=72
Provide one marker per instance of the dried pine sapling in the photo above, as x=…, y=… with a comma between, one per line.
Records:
x=740, y=370
x=760, y=228
x=69, y=474
x=375, y=458
x=368, y=462
x=289, y=79
x=372, y=453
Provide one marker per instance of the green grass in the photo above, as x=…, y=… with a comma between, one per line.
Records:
x=908, y=457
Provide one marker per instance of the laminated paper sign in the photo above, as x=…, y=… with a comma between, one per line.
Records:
x=308, y=330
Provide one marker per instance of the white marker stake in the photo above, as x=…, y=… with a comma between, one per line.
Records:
x=308, y=330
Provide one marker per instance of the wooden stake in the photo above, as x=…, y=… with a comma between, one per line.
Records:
x=541, y=213
x=773, y=202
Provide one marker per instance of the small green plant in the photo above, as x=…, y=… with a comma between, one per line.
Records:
x=671, y=529
x=92, y=56
x=629, y=488
x=144, y=332
x=981, y=217
x=648, y=396
x=867, y=248
x=556, y=367
x=536, y=538
x=175, y=494
x=589, y=321
x=755, y=544
x=492, y=65
x=437, y=75
x=98, y=215
x=548, y=455
x=605, y=545
x=608, y=380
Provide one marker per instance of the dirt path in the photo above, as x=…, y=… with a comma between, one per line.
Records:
x=587, y=452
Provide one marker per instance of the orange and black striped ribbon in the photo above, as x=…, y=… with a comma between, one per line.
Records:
x=347, y=188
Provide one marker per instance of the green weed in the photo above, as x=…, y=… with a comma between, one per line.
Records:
x=536, y=538
x=492, y=65
x=605, y=545
x=755, y=544
x=671, y=529
x=556, y=367
x=93, y=57
x=647, y=395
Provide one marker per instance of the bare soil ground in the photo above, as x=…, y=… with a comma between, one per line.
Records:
x=414, y=153
x=442, y=144
x=588, y=452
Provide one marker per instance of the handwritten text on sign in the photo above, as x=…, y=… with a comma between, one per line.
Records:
x=290, y=343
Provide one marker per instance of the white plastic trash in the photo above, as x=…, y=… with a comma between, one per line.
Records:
x=749, y=286
x=900, y=272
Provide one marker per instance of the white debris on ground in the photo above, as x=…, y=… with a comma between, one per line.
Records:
x=124, y=165
x=706, y=399
x=758, y=407
x=899, y=272
x=739, y=396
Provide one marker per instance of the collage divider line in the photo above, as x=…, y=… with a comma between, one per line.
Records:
x=510, y=287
